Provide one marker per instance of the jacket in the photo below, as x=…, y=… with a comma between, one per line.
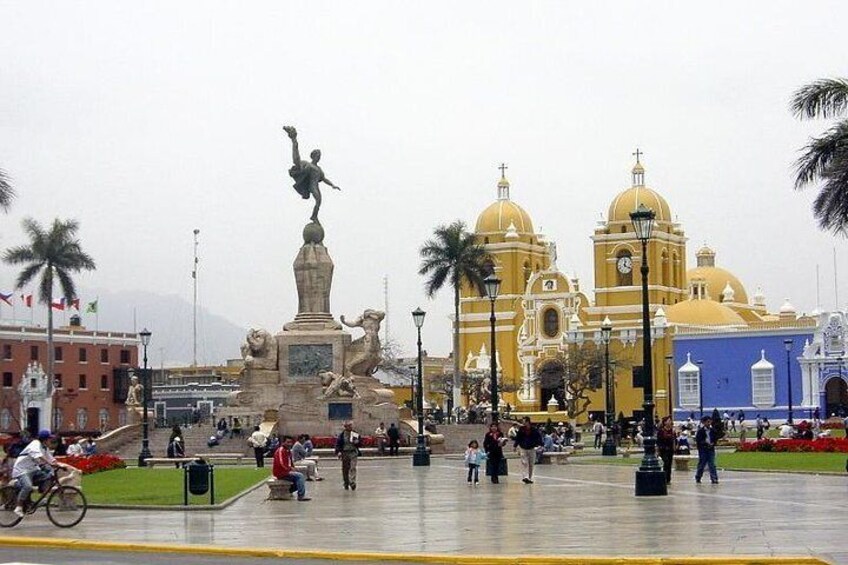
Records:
x=492, y=445
x=528, y=439
x=705, y=438
x=283, y=464
x=340, y=444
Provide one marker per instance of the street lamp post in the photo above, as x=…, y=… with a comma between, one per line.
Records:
x=788, y=344
x=421, y=458
x=609, y=444
x=493, y=287
x=145, y=440
x=650, y=478
x=669, y=359
x=700, y=365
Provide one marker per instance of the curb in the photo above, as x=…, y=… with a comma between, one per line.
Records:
x=60, y=543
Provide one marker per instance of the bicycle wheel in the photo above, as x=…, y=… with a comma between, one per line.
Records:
x=8, y=501
x=66, y=506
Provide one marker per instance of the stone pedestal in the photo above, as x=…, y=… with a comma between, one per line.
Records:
x=313, y=274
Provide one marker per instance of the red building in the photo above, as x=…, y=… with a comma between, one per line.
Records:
x=91, y=378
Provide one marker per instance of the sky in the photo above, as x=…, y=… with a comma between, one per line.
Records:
x=145, y=121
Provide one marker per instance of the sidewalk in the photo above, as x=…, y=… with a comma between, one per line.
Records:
x=571, y=510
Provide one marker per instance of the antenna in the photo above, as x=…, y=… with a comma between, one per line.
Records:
x=194, y=277
x=835, y=279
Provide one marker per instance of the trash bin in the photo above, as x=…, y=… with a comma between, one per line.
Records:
x=198, y=478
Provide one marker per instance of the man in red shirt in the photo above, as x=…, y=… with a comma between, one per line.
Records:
x=283, y=468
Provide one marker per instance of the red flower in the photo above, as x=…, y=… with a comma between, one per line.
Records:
x=94, y=463
x=823, y=445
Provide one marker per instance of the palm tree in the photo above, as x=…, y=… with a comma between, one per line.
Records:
x=7, y=193
x=825, y=159
x=454, y=256
x=53, y=254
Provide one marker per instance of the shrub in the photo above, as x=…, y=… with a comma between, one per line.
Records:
x=94, y=463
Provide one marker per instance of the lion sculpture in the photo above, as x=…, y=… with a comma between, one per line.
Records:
x=259, y=350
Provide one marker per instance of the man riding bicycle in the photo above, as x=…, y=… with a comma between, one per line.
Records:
x=33, y=467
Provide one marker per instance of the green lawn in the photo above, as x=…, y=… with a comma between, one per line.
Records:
x=160, y=486
x=810, y=462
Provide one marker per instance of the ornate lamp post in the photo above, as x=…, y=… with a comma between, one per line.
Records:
x=650, y=478
x=493, y=287
x=145, y=441
x=700, y=364
x=421, y=458
x=788, y=344
x=669, y=359
x=606, y=335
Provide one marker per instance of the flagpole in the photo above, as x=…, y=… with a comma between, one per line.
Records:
x=97, y=314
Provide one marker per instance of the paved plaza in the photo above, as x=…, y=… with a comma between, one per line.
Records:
x=570, y=510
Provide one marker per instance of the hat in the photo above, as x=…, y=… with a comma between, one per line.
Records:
x=44, y=434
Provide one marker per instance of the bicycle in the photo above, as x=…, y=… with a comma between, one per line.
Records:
x=66, y=505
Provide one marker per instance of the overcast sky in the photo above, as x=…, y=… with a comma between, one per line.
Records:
x=147, y=120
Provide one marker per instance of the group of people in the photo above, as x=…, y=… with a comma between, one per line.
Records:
x=526, y=440
x=387, y=438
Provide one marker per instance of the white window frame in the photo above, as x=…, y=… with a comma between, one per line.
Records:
x=762, y=387
x=689, y=388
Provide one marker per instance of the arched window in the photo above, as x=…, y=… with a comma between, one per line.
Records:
x=551, y=322
x=527, y=272
x=624, y=268
x=58, y=417
x=675, y=270
x=5, y=419
x=122, y=417
x=762, y=382
x=82, y=418
x=103, y=418
x=665, y=275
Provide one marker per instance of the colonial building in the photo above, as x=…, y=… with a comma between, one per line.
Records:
x=90, y=377
x=543, y=316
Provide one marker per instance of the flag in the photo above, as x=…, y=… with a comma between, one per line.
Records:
x=91, y=308
x=59, y=305
x=5, y=297
x=27, y=300
x=74, y=304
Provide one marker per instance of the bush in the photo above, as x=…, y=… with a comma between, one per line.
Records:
x=94, y=463
x=823, y=445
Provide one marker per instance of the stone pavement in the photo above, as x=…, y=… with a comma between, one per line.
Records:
x=572, y=509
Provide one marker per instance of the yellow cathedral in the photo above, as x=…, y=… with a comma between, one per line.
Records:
x=541, y=313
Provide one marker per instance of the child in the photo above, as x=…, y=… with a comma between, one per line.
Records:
x=474, y=457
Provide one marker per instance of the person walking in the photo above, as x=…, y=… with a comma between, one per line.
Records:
x=598, y=430
x=347, y=449
x=381, y=437
x=474, y=457
x=705, y=440
x=527, y=439
x=666, y=444
x=175, y=450
x=493, y=446
x=258, y=441
x=393, y=433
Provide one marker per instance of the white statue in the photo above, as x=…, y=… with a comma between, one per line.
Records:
x=135, y=394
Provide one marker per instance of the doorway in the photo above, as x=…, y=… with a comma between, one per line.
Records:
x=33, y=415
x=836, y=397
x=552, y=385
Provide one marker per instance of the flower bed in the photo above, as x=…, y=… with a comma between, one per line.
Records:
x=330, y=441
x=94, y=463
x=823, y=445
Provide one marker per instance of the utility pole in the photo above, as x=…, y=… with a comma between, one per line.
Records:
x=386, y=307
x=194, y=277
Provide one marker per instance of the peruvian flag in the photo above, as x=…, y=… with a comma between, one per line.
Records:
x=5, y=298
x=27, y=300
x=75, y=304
x=59, y=305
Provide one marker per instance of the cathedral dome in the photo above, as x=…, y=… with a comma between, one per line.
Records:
x=628, y=200
x=717, y=279
x=697, y=312
x=502, y=213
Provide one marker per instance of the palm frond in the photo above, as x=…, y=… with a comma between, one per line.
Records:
x=69, y=290
x=26, y=276
x=819, y=153
x=45, y=287
x=7, y=193
x=824, y=98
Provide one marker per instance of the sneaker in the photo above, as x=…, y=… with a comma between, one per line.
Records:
x=352, y=486
x=19, y=512
x=526, y=481
x=303, y=499
x=346, y=486
x=476, y=483
x=715, y=482
x=310, y=479
x=319, y=478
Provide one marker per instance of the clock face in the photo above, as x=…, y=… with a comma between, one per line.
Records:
x=624, y=264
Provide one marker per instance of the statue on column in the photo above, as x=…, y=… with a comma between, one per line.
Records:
x=307, y=175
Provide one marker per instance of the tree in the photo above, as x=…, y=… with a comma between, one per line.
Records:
x=54, y=255
x=824, y=159
x=453, y=256
x=7, y=193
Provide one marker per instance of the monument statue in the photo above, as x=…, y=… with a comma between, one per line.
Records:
x=259, y=350
x=363, y=355
x=338, y=385
x=307, y=175
x=135, y=394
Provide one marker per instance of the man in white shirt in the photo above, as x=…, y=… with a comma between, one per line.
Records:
x=258, y=441
x=302, y=463
x=76, y=449
x=31, y=468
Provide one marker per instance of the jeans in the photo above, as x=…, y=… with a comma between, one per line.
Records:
x=299, y=482
x=259, y=454
x=26, y=486
x=598, y=440
x=706, y=458
x=475, y=470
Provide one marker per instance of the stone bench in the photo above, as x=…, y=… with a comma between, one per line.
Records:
x=578, y=445
x=366, y=451
x=153, y=461
x=279, y=489
x=681, y=462
x=558, y=457
x=237, y=457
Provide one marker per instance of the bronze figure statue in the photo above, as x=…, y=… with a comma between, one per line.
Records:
x=307, y=175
